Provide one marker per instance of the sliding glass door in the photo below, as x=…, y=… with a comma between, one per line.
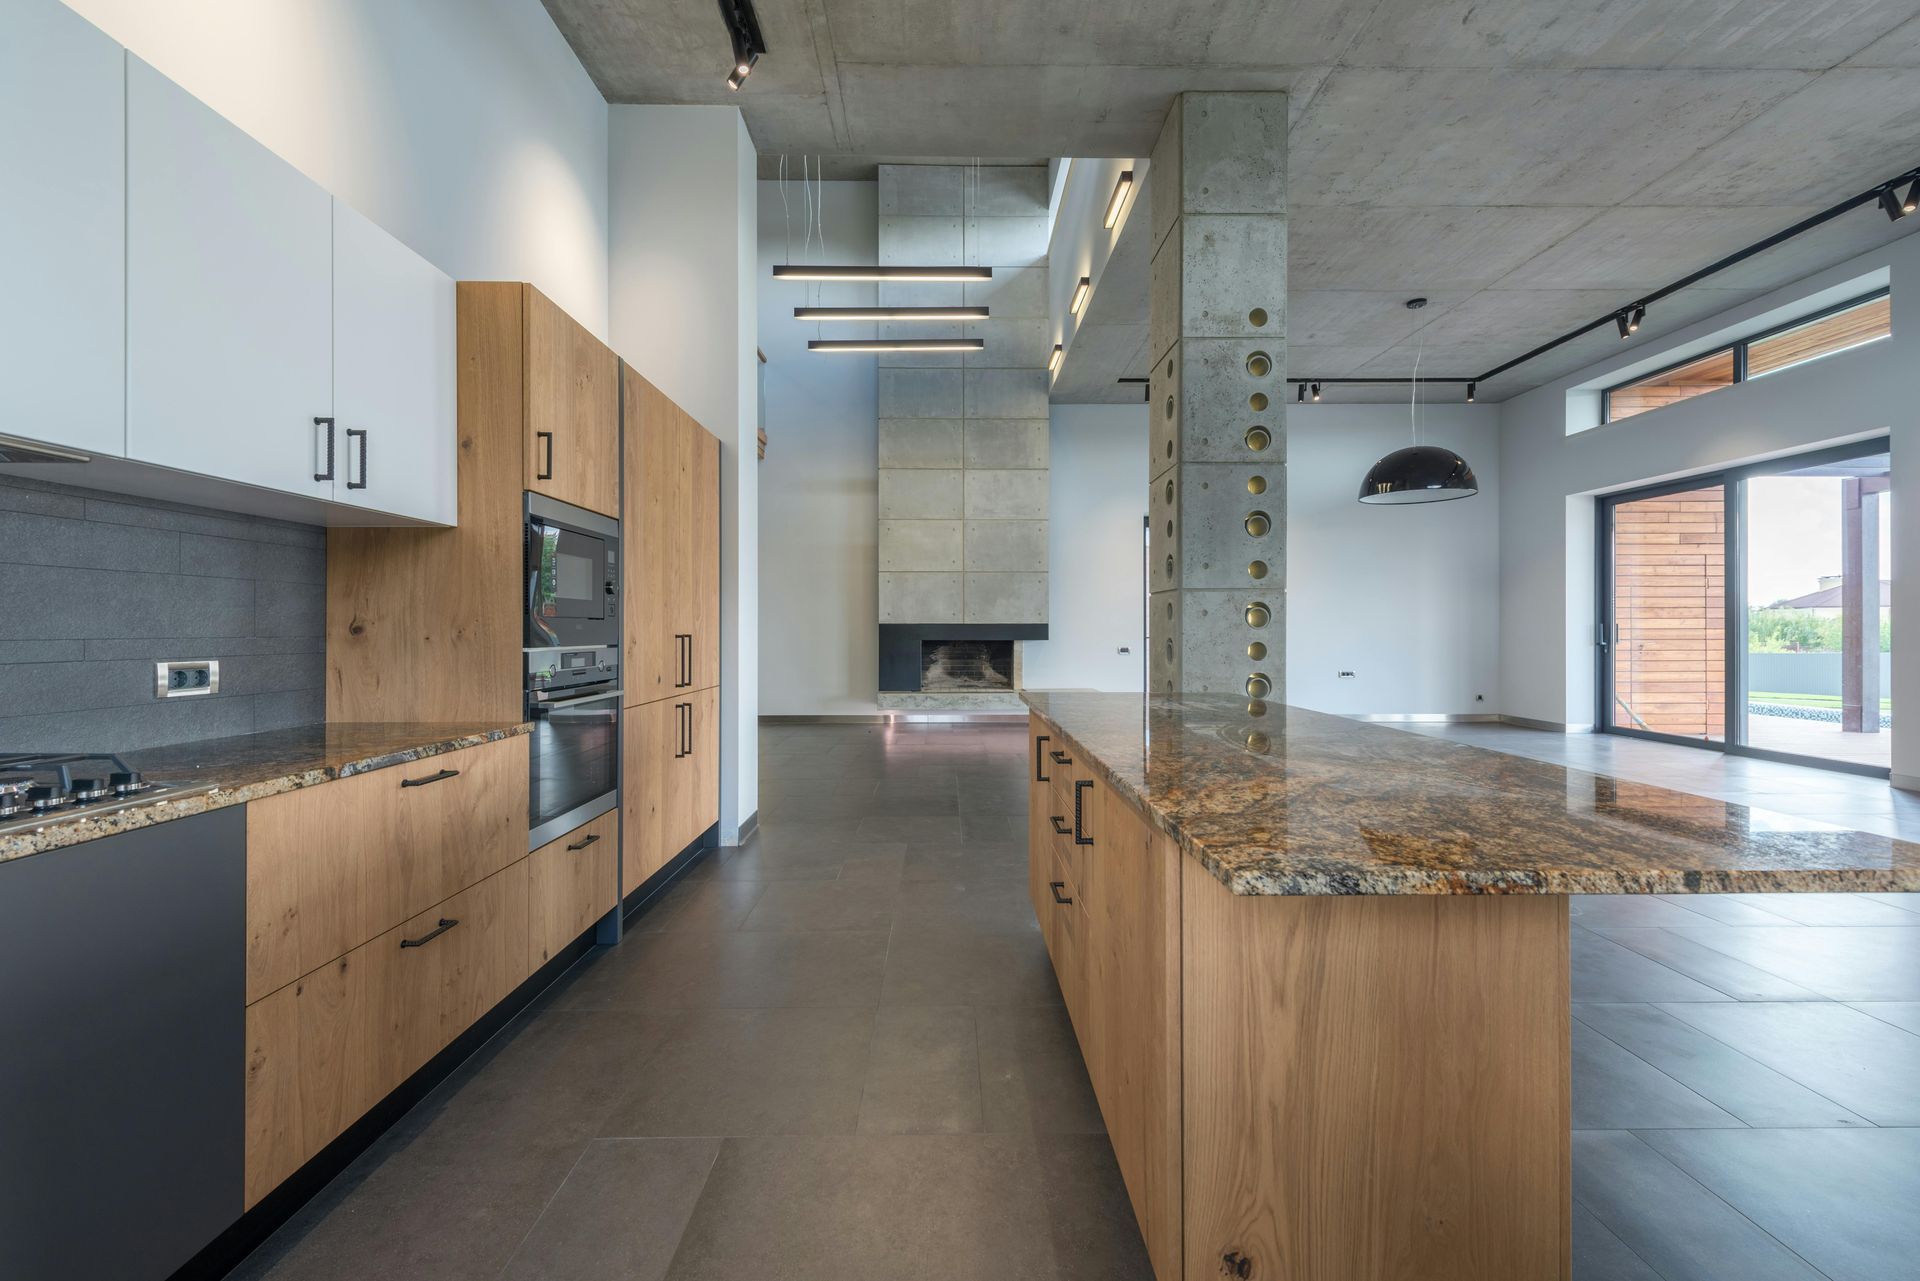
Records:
x=1748, y=610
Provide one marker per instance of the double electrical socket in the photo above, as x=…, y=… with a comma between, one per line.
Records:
x=187, y=677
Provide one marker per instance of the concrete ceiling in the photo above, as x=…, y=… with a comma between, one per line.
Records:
x=1524, y=164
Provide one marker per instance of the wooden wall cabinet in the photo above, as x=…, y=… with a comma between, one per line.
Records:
x=572, y=409
x=1370, y=1088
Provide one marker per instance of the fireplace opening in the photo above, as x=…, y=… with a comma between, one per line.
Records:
x=966, y=664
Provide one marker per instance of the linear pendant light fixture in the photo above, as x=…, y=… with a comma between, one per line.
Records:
x=895, y=344
x=1118, y=201
x=842, y=275
x=890, y=313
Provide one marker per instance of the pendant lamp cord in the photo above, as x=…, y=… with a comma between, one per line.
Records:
x=1413, y=403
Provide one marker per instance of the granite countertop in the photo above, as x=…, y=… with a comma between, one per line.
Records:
x=1290, y=801
x=247, y=767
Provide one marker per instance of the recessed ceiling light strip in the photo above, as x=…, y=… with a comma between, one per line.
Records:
x=890, y=313
x=895, y=344
x=844, y=274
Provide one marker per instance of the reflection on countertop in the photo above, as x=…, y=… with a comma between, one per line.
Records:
x=217, y=772
x=1280, y=800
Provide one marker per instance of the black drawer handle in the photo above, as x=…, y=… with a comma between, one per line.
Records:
x=1060, y=827
x=361, y=432
x=1039, y=768
x=446, y=924
x=584, y=841
x=545, y=438
x=1058, y=897
x=328, y=473
x=1080, y=836
x=1060, y=757
x=431, y=778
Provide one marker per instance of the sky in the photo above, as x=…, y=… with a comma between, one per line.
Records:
x=1793, y=535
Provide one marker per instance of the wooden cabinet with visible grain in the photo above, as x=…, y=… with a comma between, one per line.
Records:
x=571, y=883
x=573, y=410
x=331, y=866
x=324, y=1049
x=670, y=781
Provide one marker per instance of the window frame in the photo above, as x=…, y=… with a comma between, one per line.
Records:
x=1738, y=350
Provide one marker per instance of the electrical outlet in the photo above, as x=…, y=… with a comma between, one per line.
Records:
x=183, y=678
x=1345, y=676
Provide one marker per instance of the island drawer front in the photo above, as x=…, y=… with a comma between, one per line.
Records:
x=332, y=866
x=1065, y=929
x=571, y=883
x=323, y=1050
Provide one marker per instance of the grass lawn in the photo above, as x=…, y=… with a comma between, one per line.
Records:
x=1808, y=700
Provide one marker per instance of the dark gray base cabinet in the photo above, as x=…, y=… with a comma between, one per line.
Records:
x=122, y=1047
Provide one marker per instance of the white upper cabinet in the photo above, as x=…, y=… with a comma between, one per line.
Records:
x=393, y=374
x=229, y=298
x=62, y=229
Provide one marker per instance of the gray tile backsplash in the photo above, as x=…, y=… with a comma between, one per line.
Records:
x=95, y=588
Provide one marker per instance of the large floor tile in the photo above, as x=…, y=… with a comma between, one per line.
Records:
x=1834, y=1197
x=861, y=903
x=923, y=1072
x=1703, y=964
x=1726, y=909
x=782, y=1071
x=948, y=966
x=1596, y=911
x=1834, y=909
x=1867, y=1066
x=1033, y=1078
x=1617, y=1090
x=1598, y=1255
x=1095, y=1236
x=744, y=968
x=1748, y=1090
x=619, y=1214
x=701, y=904
x=1605, y=971
x=1902, y=1014
x=931, y=1207
x=971, y=902
x=1852, y=963
x=1681, y=1230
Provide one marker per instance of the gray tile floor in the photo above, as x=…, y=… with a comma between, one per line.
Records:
x=839, y=1052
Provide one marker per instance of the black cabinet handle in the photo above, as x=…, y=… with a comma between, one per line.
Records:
x=689, y=707
x=584, y=841
x=446, y=924
x=1060, y=827
x=1058, y=897
x=362, y=434
x=1080, y=836
x=1039, y=767
x=1060, y=757
x=328, y=424
x=546, y=471
x=431, y=778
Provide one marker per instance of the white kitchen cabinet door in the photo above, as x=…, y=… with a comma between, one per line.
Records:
x=393, y=374
x=229, y=298
x=62, y=230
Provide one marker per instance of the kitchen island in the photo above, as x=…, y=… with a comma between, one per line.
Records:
x=1319, y=971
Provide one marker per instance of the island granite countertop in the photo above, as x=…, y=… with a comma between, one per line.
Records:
x=247, y=767
x=1287, y=801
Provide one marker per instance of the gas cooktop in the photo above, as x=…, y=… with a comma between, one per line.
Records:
x=43, y=787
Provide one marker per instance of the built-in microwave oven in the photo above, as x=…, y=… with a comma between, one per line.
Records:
x=572, y=576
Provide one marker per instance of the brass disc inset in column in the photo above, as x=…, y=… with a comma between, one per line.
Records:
x=1257, y=569
x=1258, y=524
x=1258, y=438
x=1258, y=615
x=1258, y=686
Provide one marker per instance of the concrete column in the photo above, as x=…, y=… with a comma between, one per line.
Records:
x=1218, y=483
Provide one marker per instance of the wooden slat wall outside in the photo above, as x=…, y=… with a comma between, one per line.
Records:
x=1669, y=602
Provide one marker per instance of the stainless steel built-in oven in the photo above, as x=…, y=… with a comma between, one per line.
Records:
x=572, y=653
x=572, y=576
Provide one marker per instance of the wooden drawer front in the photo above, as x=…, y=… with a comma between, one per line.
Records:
x=651, y=742
x=1065, y=929
x=323, y=1050
x=571, y=883
x=332, y=866
x=702, y=766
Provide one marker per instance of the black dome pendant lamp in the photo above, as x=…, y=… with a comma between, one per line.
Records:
x=1418, y=473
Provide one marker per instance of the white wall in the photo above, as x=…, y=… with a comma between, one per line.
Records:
x=467, y=128
x=1550, y=478
x=1404, y=596
x=819, y=484
x=683, y=311
x=1095, y=552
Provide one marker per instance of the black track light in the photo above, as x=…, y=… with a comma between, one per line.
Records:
x=1633, y=321
x=1471, y=388
x=1301, y=395
x=1316, y=393
x=1912, y=200
x=1620, y=323
x=743, y=32
x=1890, y=204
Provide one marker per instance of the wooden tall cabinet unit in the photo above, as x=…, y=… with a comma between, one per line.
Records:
x=426, y=625
x=671, y=537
